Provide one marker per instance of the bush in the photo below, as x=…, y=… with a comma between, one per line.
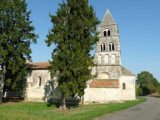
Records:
x=139, y=91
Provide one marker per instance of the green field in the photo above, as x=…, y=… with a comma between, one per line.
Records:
x=40, y=111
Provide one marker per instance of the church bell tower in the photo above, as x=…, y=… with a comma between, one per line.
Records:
x=108, y=54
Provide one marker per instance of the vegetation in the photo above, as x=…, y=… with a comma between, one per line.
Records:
x=147, y=83
x=74, y=34
x=157, y=94
x=40, y=111
x=16, y=35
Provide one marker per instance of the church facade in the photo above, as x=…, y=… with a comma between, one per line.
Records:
x=113, y=82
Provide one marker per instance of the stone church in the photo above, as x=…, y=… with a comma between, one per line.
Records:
x=113, y=82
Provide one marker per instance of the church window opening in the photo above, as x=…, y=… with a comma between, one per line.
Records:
x=124, y=86
x=111, y=46
x=105, y=33
x=109, y=32
x=39, y=81
x=103, y=47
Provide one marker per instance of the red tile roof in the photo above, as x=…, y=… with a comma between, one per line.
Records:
x=39, y=65
x=104, y=83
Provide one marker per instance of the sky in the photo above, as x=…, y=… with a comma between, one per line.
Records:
x=139, y=26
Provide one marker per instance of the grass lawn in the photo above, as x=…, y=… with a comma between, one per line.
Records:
x=40, y=111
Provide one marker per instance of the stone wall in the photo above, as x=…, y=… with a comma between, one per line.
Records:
x=106, y=71
x=129, y=92
x=107, y=94
x=37, y=81
x=101, y=95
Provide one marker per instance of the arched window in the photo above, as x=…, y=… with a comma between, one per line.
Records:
x=103, y=47
x=113, y=59
x=111, y=46
x=39, y=81
x=106, y=57
x=105, y=33
x=109, y=32
x=124, y=86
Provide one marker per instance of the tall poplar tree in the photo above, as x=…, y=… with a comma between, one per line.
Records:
x=16, y=36
x=74, y=34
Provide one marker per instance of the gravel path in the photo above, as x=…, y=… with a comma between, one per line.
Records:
x=149, y=110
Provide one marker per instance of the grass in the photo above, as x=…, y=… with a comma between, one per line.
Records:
x=40, y=111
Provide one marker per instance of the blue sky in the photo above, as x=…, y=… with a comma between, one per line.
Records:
x=139, y=25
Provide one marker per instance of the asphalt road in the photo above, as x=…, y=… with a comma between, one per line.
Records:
x=149, y=110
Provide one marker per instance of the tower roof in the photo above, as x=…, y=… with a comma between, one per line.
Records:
x=107, y=19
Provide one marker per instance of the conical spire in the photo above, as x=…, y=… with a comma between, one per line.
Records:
x=107, y=19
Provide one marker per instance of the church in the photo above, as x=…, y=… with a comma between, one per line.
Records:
x=113, y=82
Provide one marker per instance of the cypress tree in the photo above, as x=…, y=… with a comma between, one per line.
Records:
x=16, y=36
x=74, y=34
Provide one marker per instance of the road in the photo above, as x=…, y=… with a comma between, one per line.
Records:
x=149, y=110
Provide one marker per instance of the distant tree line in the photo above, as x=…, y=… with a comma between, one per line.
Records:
x=146, y=84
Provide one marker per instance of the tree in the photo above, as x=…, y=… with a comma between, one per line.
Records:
x=16, y=36
x=138, y=91
x=74, y=34
x=147, y=83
